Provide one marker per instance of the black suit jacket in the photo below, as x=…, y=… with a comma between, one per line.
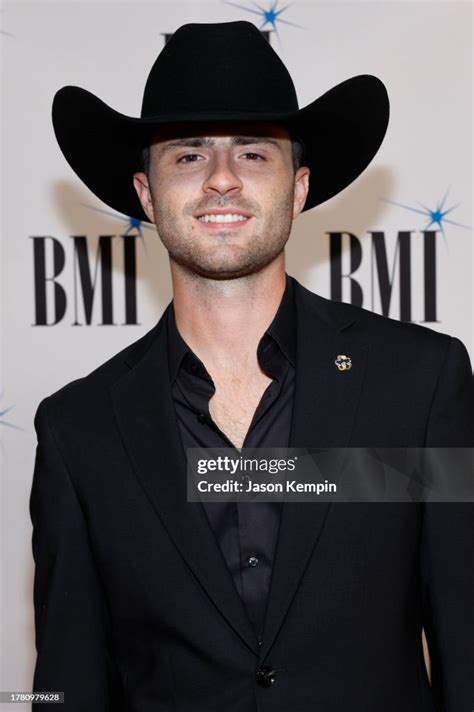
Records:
x=135, y=608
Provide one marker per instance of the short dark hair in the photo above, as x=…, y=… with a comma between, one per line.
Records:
x=297, y=152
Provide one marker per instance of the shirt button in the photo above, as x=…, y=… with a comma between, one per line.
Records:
x=252, y=561
x=201, y=417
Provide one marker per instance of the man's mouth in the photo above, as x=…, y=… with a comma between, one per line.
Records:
x=223, y=218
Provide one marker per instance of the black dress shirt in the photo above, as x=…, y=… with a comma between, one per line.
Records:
x=245, y=531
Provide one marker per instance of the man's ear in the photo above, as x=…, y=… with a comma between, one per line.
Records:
x=142, y=186
x=301, y=189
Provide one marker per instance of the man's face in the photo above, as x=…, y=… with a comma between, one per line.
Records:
x=223, y=197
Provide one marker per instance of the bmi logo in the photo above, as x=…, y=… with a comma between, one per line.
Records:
x=51, y=297
x=383, y=271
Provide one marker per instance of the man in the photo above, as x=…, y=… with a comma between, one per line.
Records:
x=146, y=601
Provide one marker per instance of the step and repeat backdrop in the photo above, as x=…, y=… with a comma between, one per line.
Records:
x=80, y=282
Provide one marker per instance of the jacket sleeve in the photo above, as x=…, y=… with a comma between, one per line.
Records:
x=71, y=616
x=448, y=545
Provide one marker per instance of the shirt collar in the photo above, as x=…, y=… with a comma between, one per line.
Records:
x=282, y=330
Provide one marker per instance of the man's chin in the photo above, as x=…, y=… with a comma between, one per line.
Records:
x=219, y=270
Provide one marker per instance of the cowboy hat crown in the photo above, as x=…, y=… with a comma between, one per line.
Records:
x=214, y=69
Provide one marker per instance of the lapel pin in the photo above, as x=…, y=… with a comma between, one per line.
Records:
x=343, y=363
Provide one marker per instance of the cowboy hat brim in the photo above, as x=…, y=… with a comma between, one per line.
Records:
x=341, y=131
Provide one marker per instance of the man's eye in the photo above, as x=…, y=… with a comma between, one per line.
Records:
x=189, y=158
x=254, y=156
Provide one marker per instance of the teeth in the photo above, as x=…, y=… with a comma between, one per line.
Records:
x=227, y=218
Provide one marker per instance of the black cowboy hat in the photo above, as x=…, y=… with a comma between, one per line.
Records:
x=221, y=72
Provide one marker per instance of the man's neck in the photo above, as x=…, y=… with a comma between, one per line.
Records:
x=222, y=321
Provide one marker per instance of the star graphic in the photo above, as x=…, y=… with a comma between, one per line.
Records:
x=272, y=16
x=436, y=216
x=3, y=412
x=133, y=223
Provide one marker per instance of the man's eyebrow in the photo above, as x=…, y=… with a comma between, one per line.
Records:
x=248, y=140
x=206, y=141
x=196, y=142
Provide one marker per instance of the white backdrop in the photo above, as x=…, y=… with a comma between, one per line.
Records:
x=423, y=53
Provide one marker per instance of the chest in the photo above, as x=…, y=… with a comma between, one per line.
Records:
x=234, y=402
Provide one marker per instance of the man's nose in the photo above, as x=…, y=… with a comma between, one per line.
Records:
x=222, y=177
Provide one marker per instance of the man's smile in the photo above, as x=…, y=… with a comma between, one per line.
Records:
x=216, y=218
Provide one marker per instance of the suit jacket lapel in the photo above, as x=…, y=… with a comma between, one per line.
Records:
x=144, y=411
x=324, y=410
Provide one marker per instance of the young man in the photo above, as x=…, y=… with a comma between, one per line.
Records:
x=144, y=600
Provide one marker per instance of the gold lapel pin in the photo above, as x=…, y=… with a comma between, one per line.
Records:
x=343, y=363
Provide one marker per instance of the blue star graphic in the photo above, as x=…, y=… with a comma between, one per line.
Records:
x=271, y=17
x=436, y=216
x=133, y=223
x=3, y=412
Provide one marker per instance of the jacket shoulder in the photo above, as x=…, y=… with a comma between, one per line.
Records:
x=96, y=382
x=376, y=327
